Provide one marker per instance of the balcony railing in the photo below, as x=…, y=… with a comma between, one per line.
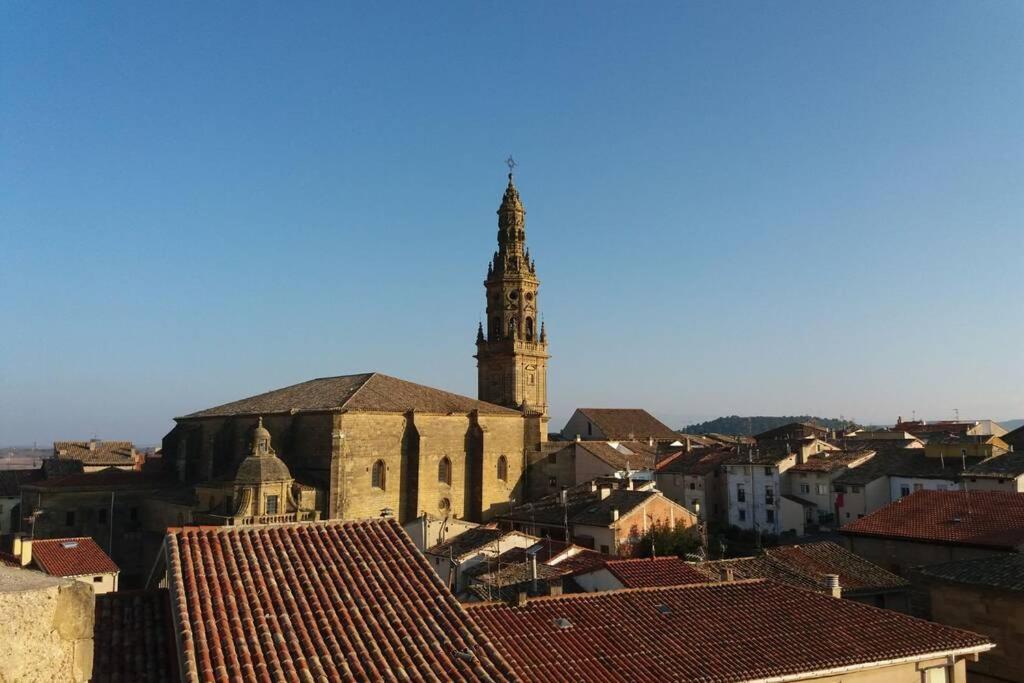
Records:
x=207, y=518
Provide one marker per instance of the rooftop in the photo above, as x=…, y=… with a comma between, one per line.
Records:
x=11, y=481
x=318, y=601
x=989, y=519
x=1003, y=572
x=830, y=461
x=368, y=392
x=696, y=462
x=637, y=459
x=469, y=541
x=1008, y=465
x=742, y=630
x=79, y=556
x=133, y=638
x=649, y=571
x=818, y=559
x=110, y=478
x=94, y=452
x=628, y=423
x=904, y=462
x=583, y=505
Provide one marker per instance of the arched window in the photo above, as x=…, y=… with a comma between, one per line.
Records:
x=529, y=329
x=502, y=468
x=511, y=327
x=444, y=471
x=379, y=475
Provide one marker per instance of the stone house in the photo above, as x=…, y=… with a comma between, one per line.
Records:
x=755, y=482
x=564, y=464
x=813, y=481
x=999, y=473
x=428, y=530
x=619, y=424
x=69, y=558
x=932, y=527
x=11, y=482
x=965, y=446
x=696, y=479
x=986, y=596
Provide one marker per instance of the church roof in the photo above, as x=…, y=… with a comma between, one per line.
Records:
x=257, y=469
x=370, y=391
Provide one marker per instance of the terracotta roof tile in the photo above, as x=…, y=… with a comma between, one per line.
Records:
x=369, y=391
x=96, y=452
x=71, y=557
x=830, y=461
x=319, y=601
x=1003, y=572
x=133, y=638
x=636, y=460
x=708, y=633
x=628, y=423
x=696, y=462
x=649, y=571
x=818, y=559
x=991, y=519
x=1006, y=466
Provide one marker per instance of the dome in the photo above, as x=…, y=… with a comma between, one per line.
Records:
x=260, y=469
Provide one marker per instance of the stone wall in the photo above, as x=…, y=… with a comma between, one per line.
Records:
x=47, y=627
x=899, y=556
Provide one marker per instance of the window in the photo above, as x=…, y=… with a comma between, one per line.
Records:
x=271, y=505
x=741, y=493
x=69, y=518
x=552, y=482
x=918, y=487
x=133, y=514
x=937, y=675
x=379, y=476
x=502, y=468
x=444, y=471
x=805, y=488
x=743, y=515
x=769, y=495
x=847, y=515
x=97, y=579
x=529, y=329
x=590, y=429
x=693, y=486
x=854, y=489
x=904, y=491
x=767, y=471
x=769, y=516
x=101, y=515
x=821, y=489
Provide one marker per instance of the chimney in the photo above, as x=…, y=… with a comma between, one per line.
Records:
x=725, y=574
x=533, y=571
x=577, y=437
x=593, y=486
x=605, y=492
x=520, y=599
x=650, y=441
x=629, y=483
x=615, y=514
x=832, y=584
x=23, y=550
x=688, y=446
x=92, y=444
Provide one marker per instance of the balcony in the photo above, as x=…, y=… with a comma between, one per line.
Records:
x=210, y=519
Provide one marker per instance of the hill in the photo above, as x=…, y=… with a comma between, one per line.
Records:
x=749, y=426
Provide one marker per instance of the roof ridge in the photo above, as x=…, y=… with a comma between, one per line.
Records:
x=362, y=385
x=620, y=591
x=258, y=527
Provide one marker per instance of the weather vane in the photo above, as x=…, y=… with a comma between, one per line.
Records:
x=511, y=163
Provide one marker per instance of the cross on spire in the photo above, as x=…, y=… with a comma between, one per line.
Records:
x=511, y=163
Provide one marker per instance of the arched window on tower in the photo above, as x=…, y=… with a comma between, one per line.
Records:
x=444, y=471
x=378, y=477
x=511, y=327
x=502, y=468
x=529, y=329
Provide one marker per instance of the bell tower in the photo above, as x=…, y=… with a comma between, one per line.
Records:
x=512, y=352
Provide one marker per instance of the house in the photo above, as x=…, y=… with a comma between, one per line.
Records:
x=753, y=630
x=999, y=473
x=1015, y=439
x=824, y=567
x=428, y=530
x=576, y=462
x=46, y=633
x=266, y=610
x=133, y=639
x=812, y=480
x=11, y=482
x=96, y=455
x=881, y=439
x=69, y=558
x=792, y=432
x=756, y=495
x=456, y=555
x=984, y=595
x=618, y=424
x=608, y=515
x=696, y=480
x=930, y=430
x=965, y=446
x=535, y=570
x=932, y=527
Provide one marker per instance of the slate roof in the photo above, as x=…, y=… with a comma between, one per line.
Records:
x=760, y=567
x=608, y=454
x=628, y=423
x=133, y=640
x=709, y=633
x=1015, y=438
x=830, y=461
x=80, y=556
x=696, y=462
x=103, y=452
x=599, y=513
x=904, y=462
x=549, y=510
x=368, y=392
x=791, y=431
x=11, y=481
x=650, y=571
x=988, y=519
x=1003, y=572
x=318, y=601
x=1005, y=466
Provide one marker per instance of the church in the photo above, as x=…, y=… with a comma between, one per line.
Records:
x=369, y=444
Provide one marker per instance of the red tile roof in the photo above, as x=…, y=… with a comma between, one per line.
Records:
x=79, y=556
x=133, y=639
x=708, y=633
x=649, y=571
x=106, y=479
x=990, y=519
x=628, y=423
x=318, y=601
x=696, y=462
x=818, y=559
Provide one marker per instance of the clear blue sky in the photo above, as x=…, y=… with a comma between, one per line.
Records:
x=750, y=207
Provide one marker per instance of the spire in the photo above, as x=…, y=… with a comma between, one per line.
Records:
x=543, y=332
x=480, y=333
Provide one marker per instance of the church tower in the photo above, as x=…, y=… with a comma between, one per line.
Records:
x=512, y=353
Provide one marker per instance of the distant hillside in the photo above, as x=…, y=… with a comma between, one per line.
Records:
x=1012, y=424
x=749, y=426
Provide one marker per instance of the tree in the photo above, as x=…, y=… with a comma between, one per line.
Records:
x=662, y=540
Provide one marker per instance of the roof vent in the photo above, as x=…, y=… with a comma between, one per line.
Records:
x=664, y=609
x=563, y=623
x=956, y=520
x=69, y=544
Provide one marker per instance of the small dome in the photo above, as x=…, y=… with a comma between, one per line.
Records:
x=261, y=433
x=261, y=469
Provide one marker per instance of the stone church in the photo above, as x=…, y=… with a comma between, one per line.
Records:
x=370, y=444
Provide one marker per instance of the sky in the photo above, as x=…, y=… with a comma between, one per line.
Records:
x=754, y=208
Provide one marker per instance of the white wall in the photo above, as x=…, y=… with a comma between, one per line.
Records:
x=755, y=481
x=896, y=484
